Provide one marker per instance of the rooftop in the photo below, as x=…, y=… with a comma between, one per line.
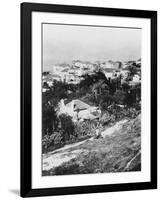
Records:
x=78, y=105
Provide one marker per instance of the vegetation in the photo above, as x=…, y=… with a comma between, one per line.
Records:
x=115, y=99
x=119, y=152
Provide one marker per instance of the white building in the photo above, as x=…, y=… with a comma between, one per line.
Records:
x=108, y=74
x=136, y=78
x=78, y=110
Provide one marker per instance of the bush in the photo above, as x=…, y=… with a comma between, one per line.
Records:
x=64, y=133
x=45, y=143
x=86, y=128
x=67, y=132
x=49, y=118
x=114, y=113
x=67, y=127
x=107, y=118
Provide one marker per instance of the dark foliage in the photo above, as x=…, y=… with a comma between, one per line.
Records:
x=67, y=127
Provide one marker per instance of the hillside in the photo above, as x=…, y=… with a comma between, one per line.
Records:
x=116, y=152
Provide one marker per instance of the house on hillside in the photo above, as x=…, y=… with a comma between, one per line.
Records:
x=78, y=110
x=108, y=72
x=111, y=73
x=136, y=78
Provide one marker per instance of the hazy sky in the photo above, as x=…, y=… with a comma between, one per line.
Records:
x=64, y=43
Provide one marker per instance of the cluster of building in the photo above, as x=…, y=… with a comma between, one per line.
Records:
x=73, y=73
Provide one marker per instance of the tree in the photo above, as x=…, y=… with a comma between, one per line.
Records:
x=119, y=97
x=49, y=118
x=67, y=127
x=98, y=89
x=50, y=101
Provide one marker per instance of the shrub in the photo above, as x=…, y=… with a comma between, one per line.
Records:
x=114, y=113
x=85, y=128
x=49, y=119
x=67, y=127
x=45, y=143
x=53, y=141
x=107, y=118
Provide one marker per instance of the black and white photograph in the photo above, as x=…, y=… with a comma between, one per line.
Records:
x=88, y=99
x=91, y=99
x=79, y=92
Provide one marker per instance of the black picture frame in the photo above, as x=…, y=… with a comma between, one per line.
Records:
x=26, y=103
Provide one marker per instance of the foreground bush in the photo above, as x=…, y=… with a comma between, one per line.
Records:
x=85, y=128
x=68, y=132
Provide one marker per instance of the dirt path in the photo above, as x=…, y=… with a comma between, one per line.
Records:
x=116, y=127
x=66, y=147
x=57, y=157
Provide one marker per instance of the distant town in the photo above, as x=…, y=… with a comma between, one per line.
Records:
x=73, y=73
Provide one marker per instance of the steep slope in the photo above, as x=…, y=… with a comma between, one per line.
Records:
x=119, y=152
